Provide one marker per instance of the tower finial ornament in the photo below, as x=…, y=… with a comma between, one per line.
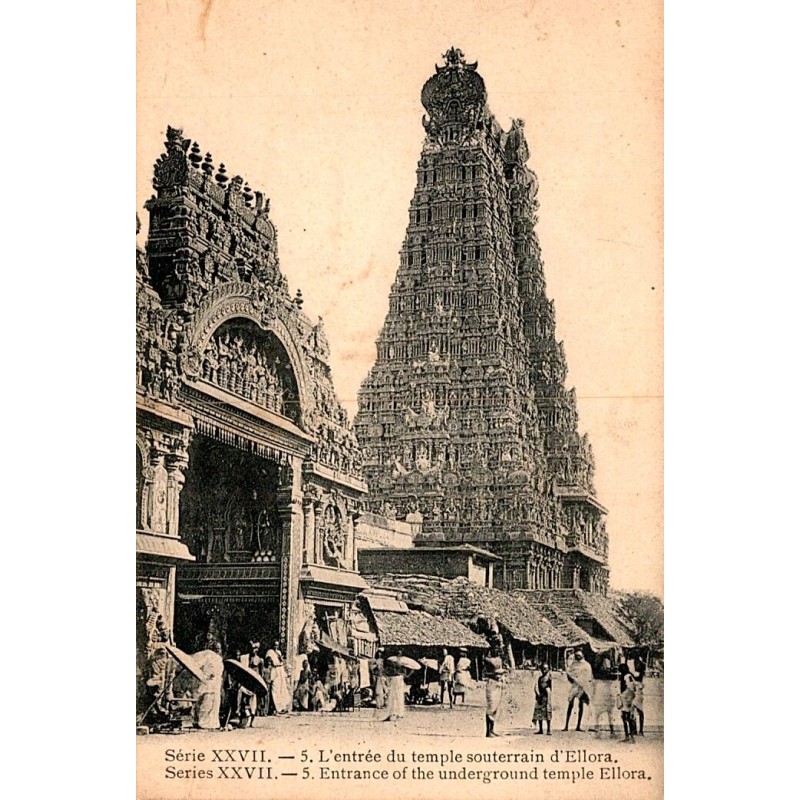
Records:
x=454, y=59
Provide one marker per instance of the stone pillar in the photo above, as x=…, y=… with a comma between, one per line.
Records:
x=292, y=527
x=352, y=555
x=354, y=517
x=169, y=600
x=510, y=654
x=317, y=534
x=308, y=530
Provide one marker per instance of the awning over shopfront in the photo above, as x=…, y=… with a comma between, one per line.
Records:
x=329, y=644
x=333, y=577
x=602, y=645
x=164, y=548
x=330, y=585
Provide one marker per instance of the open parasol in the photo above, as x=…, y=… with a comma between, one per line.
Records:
x=249, y=678
x=405, y=661
x=186, y=661
x=429, y=664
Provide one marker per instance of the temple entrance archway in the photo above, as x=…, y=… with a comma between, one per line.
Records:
x=229, y=518
x=229, y=510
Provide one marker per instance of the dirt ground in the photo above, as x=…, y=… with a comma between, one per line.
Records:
x=291, y=751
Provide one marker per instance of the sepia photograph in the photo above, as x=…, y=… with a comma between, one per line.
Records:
x=399, y=399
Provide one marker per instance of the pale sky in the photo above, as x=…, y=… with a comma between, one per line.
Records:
x=316, y=104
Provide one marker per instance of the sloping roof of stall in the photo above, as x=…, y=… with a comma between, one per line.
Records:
x=577, y=604
x=382, y=602
x=423, y=629
x=572, y=633
x=463, y=600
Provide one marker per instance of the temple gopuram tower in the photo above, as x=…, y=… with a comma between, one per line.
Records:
x=464, y=421
x=248, y=481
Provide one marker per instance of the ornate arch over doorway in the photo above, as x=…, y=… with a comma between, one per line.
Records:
x=252, y=363
x=262, y=321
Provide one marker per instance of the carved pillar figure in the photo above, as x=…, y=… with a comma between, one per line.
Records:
x=154, y=493
x=175, y=464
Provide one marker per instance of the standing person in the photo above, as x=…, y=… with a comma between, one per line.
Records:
x=604, y=693
x=625, y=702
x=638, y=692
x=494, y=671
x=230, y=697
x=396, y=695
x=246, y=699
x=279, y=682
x=246, y=705
x=446, y=671
x=209, y=694
x=379, y=679
x=302, y=694
x=579, y=674
x=462, y=680
x=543, y=708
x=257, y=664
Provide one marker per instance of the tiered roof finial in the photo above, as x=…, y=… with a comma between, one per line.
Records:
x=183, y=164
x=195, y=156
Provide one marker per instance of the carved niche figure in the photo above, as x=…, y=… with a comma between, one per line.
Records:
x=423, y=460
x=265, y=535
x=158, y=508
x=333, y=537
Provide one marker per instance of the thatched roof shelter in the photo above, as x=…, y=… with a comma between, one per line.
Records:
x=477, y=606
x=418, y=628
x=586, y=610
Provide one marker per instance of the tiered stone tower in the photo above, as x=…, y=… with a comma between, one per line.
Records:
x=464, y=420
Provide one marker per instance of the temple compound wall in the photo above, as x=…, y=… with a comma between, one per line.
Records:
x=248, y=473
x=464, y=420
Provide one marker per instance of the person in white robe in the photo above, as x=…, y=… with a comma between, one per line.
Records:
x=280, y=694
x=579, y=674
x=209, y=693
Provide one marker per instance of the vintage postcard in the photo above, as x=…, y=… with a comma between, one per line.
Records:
x=399, y=399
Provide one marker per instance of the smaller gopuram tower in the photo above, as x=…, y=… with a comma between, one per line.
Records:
x=249, y=480
x=464, y=420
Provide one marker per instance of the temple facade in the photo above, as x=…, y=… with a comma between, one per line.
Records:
x=248, y=473
x=465, y=422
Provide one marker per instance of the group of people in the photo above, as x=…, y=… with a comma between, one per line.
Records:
x=612, y=686
x=243, y=702
x=313, y=693
x=454, y=676
x=608, y=687
x=389, y=681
